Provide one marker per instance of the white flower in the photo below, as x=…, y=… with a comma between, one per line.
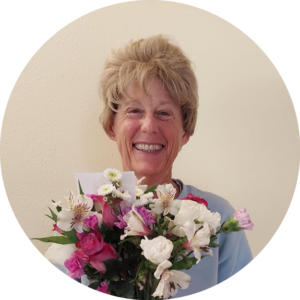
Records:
x=144, y=199
x=112, y=174
x=139, y=185
x=165, y=203
x=106, y=189
x=123, y=195
x=190, y=211
x=170, y=282
x=135, y=224
x=73, y=217
x=69, y=200
x=200, y=241
x=138, y=191
x=58, y=254
x=158, y=251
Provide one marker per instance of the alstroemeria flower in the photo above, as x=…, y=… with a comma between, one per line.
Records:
x=135, y=224
x=199, y=242
x=69, y=201
x=170, y=282
x=165, y=202
x=79, y=209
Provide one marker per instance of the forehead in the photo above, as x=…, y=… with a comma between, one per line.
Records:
x=154, y=89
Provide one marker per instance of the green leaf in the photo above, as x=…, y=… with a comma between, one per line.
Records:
x=71, y=235
x=151, y=265
x=211, y=243
x=170, y=229
x=151, y=189
x=58, y=208
x=50, y=217
x=184, y=264
x=80, y=189
x=179, y=242
x=94, y=285
x=114, y=265
x=122, y=289
x=54, y=216
x=55, y=239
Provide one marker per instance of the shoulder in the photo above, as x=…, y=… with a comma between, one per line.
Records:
x=215, y=202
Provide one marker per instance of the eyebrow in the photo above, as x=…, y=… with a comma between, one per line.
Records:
x=133, y=101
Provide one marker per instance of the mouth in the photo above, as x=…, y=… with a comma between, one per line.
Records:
x=148, y=147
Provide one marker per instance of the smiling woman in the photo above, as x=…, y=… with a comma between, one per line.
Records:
x=150, y=96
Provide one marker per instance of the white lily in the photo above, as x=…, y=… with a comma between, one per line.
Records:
x=200, y=242
x=73, y=217
x=165, y=202
x=135, y=225
x=170, y=282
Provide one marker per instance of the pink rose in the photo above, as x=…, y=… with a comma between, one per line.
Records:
x=244, y=219
x=107, y=252
x=90, y=243
x=190, y=196
x=108, y=218
x=75, y=266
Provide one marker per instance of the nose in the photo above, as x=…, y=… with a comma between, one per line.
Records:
x=149, y=123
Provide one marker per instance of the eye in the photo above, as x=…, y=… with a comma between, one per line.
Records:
x=164, y=113
x=134, y=111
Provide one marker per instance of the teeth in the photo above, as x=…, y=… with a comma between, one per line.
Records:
x=148, y=148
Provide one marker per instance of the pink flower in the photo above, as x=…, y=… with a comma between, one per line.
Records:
x=108, y=218
x=82, y=256
x=90, y=243
x=190, y=196
x=56, y=228
x=91, y=221
x=107, y=252
x=244, y=219
x=122, y=224
x=238, y=221
x=101, y=291
x=75, y=266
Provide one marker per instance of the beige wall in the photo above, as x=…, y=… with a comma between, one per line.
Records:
x=246, y=146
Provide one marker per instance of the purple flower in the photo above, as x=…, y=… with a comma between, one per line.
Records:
x=244, y=219
x=122, y=224
x=146, y=215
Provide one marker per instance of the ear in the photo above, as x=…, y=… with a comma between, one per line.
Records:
x=109, y=129
x=185, y=139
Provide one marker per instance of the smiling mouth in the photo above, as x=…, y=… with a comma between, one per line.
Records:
x=148, y=147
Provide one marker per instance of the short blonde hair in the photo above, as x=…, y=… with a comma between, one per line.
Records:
x=145, y=59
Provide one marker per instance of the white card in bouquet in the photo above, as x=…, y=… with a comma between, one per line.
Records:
x=90, y=183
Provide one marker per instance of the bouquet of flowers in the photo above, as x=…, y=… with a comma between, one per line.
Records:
x=136, y=247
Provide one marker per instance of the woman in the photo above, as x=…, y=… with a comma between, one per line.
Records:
x=151, y=97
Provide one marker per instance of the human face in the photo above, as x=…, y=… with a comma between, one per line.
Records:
x=148, y=131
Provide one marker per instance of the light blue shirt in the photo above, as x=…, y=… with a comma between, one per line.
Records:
x=233, y=254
